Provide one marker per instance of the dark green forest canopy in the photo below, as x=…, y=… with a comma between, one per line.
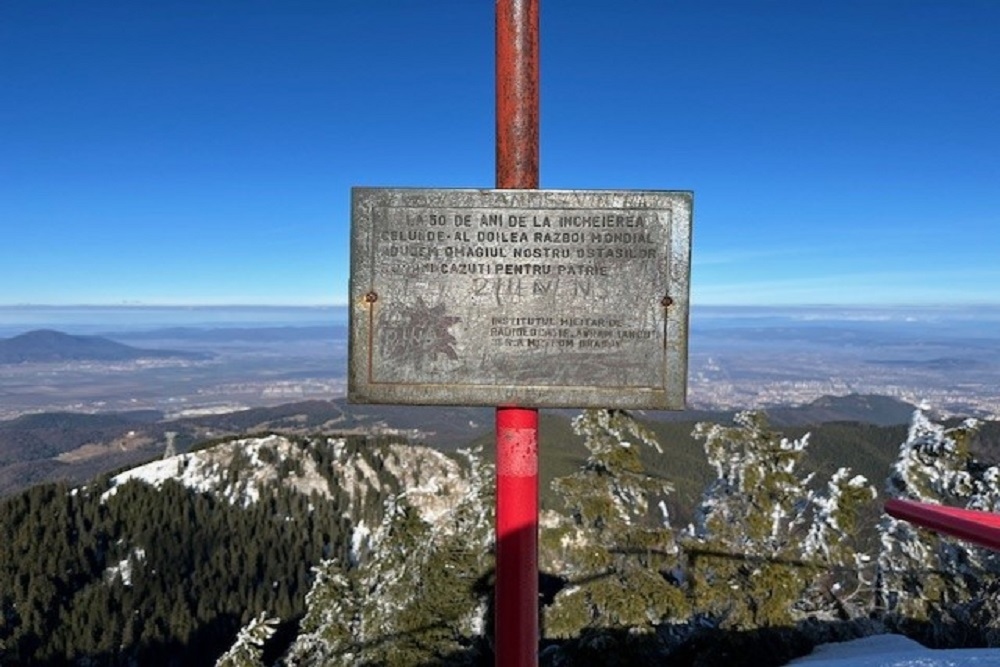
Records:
x=165, y=575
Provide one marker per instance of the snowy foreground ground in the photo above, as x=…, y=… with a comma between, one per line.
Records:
x=895, y=651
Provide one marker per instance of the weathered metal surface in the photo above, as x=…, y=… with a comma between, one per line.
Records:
x=517, y=94
x=520, y=297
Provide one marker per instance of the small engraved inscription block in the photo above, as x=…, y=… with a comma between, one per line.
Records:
x=531, y=298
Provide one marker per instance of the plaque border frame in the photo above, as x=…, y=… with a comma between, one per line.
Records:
x=671, y=395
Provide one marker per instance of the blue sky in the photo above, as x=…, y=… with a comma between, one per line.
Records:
x=202, y=151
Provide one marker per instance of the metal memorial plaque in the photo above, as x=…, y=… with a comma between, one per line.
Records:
x=530, y=298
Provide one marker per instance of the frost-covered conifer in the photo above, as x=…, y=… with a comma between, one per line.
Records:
x=414, y=594
x=924, y=575
x=767, y=548
x=616, y=549
x=935, y=464
x=846, y=579
x=248, y=650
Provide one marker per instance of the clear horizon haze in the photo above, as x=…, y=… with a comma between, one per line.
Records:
x=202, y=153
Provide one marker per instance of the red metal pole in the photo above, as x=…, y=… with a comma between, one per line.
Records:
x=516, y=598
x=517, y=93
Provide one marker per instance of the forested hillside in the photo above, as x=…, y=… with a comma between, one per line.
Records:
x=163, y=564
x=276, y=550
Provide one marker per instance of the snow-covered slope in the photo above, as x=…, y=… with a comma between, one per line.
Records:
x=432, y=481
x=208, y=470
x=895, y=651
x=240, y=471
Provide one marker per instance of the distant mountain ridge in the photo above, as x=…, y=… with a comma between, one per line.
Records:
x=325, y=332
x=77, y=446
x=863, y=408
x=48, y=345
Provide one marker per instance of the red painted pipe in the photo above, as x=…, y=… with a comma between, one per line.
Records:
x=517, y=93
x=517, y=538
x=982, y=528
x=516, y=593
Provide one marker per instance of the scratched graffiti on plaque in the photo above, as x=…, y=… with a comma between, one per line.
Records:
x=418, y=334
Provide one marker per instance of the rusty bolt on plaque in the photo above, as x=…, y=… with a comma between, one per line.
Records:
x=666, y=302
x=371, y=297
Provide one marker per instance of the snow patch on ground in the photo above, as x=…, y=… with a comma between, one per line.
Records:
x=360, y=538
x=124, y=567
x=895, y=651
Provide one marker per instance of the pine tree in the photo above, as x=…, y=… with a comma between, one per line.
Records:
x=923, y=575
x=616, y=549
x=847, y=579
x=412, y=596
x=248, y=650
x=762, y=537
